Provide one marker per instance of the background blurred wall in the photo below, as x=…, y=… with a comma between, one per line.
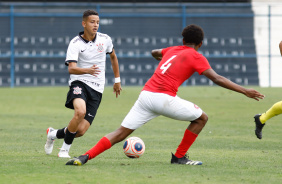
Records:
x=268, y=34
x=34, y=38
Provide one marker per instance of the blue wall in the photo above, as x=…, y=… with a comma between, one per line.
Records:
x=34, y=38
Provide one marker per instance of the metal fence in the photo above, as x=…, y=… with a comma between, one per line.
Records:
x=34, y=38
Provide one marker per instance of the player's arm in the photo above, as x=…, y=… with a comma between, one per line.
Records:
x=157, y=54
x=280, y=47
x=117, y=86
x=224, y=82
x=71, y=62
x=74, y=69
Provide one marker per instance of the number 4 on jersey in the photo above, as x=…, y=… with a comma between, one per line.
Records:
x=167, y=64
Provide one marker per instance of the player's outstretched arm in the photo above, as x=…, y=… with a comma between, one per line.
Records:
x=117, y=85
x=224, y=82
x=157, y=54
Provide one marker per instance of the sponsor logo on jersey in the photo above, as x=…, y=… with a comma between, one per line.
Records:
x=77, y=90
x=100, y=47
x=91, y=83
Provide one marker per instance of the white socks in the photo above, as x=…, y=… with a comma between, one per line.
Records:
x=66, y=146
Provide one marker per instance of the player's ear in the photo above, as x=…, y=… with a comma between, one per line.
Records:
x=200, y=44
x=83, y=23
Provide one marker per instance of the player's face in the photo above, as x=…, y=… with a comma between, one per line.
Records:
x=91, y=24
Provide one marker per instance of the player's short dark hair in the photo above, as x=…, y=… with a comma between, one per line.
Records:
x=87, y=13
x=193, y=34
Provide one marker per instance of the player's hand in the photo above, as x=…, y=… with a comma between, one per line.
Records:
x=117, y=89
x=251, y=93
x=94, y=70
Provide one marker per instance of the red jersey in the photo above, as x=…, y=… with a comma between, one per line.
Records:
x=177, y=65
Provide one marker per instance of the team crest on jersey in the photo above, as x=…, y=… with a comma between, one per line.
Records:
x=77, y=90
x=100, y=47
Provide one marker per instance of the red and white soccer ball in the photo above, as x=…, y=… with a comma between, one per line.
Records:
x=134, y=147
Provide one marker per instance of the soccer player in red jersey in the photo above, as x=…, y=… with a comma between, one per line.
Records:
x=158, y=97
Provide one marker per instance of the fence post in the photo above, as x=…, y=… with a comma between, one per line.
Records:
x=12, y=56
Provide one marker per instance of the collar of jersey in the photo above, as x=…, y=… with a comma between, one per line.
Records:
x=86, y=41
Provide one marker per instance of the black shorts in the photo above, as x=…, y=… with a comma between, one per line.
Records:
x=91, y=97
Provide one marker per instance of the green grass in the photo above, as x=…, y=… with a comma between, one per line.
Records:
x=227, y=145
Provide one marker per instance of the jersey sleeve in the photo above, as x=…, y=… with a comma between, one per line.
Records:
x=202, y=65
x=165, y=50
x=72, y=53
x=110, y=46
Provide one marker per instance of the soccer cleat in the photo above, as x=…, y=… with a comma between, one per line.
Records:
x=50, y=141
x=63, y=153
x=184, y=160
x=259, y=126
x=82, y=159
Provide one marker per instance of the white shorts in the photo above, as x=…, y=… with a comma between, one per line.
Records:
x=150, y=105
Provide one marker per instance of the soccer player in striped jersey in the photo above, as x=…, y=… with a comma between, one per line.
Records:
x=86, y=61
x=276, y=109
x=159, y=97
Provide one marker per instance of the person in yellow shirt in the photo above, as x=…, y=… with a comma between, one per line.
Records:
x=276, y=109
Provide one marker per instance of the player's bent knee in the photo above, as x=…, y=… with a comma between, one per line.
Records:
x=202, y=120
x=205, y=117
x=205, y=120
x=80, y=114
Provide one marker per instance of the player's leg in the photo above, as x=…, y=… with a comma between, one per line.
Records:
x=260, y=120
x=82, y=128
x=79, y=114
x=60, y=134
x=197, y=125
x=92, y=105
x=275, y=110
x=53, y=134
x=137, y=116
x=108, y=141
x=190, y=135
x=179, y=109
x=102, y=145
x=78, y=90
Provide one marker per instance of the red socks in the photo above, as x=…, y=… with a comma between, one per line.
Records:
x=188, y=139
x=104, y=144
x=99, y=148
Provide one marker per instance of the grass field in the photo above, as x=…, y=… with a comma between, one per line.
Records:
x=230, y=151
